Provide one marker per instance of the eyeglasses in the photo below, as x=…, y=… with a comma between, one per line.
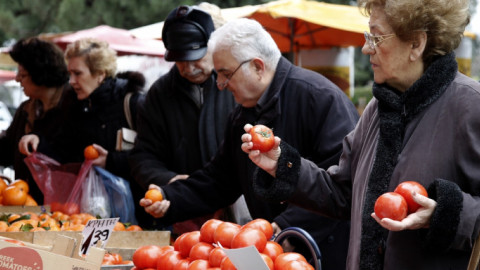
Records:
x=222, y=85
x=374, y=41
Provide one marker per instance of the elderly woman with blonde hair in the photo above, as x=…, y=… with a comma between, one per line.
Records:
x=422, y=125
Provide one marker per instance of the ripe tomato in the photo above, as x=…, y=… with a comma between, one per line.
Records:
x=208, y=229
x=216, y=256
x=272, y=249
x=227, y=264
x=262, y=138
x=297, y=265
x=168, y=260
x=249, y=237
x=70, y=208
x=109, y=259
x=14, y=195
x=182, y=264
x=406, y=188
x=200, y=250
x=134, y=228
x=198, y=265
x=261, y=224
x=225, y=233
x=187, y=242
x=391, y=205
x=283, y=258
x=154, y=195
x=90, y=152
x=147, y=256
x=268, y=261
x=176, y=244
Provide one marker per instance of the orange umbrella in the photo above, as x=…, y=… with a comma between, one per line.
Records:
x=301, y=24
x=120, y=40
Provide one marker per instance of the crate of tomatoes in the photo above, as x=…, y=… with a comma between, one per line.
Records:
x=207, y=248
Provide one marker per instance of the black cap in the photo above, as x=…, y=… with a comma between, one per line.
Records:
x=185, y=33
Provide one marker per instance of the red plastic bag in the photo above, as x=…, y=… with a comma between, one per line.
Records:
x=71, y=188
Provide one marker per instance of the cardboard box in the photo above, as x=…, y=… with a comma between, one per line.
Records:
x=122, y=242
x=56, y=256
x=22, y=209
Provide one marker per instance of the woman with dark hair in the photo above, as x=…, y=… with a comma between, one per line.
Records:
x=43, y=74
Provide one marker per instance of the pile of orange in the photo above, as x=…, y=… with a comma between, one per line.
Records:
x=15, y=193
x=56, y=221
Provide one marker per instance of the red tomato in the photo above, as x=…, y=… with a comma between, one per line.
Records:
x=168, y=260
x=268, y=261
x=391, y=205
x=108, y=259
x=182, y=264
x=406, y=188
x=297, y=265
x=262, y=138
x=225, y=233
x=176, y=244
x=214, y=268
x=147, y=256
x=208, y=229
x=216, y=256
x=283, y=258
x=261, y=224
x=227, y=264
x=187, y=242
x=272, y=249
x=200, y=250
x=198, y=265
x=249, y=237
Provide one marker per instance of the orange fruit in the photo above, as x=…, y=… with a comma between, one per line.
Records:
x=3, y=185
x=3, y=226
x=119, y=226
x=154, y=195
x=38, y=229
x=13, y=217
x=21, y=184
x=90, y=152
x=14, y=195
x=134, y=228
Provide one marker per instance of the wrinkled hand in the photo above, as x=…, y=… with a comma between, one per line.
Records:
x=101, y=161
x=418, y=220
x=178, y=177
x=28, y=141
x=157, y=209
x=267, y=161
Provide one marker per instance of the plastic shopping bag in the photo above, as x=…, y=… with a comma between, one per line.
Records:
x=55, y=180
x=119, y=195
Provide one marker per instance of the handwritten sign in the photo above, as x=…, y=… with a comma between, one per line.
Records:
x=97, y=230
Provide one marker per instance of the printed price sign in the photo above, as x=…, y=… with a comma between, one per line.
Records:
x=97, y=230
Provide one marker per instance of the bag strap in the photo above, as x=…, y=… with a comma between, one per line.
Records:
x=475, y=257
x=126, y=109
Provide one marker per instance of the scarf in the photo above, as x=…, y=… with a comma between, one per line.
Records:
x=395, y=111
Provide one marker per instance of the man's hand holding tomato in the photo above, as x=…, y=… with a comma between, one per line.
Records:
x=417, y=220
x=267, y=161
x=156, y=209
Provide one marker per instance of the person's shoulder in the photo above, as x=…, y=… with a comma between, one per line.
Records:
x=135, y=81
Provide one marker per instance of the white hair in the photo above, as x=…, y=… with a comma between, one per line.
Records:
x=246, y=39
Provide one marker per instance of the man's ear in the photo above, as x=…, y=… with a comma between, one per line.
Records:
x=418, y=45
x=259, y=65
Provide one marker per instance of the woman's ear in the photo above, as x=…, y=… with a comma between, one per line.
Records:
x=418, y=45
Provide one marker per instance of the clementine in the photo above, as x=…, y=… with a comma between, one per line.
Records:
x=21, y=184
x=154, y=195
x=90, y=152
x=3, y=185
x=14, y=195
x=30, y=201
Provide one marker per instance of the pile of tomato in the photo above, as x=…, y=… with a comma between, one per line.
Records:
x=204, y=249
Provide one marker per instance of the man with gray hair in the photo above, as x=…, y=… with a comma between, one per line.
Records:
x=301, y=106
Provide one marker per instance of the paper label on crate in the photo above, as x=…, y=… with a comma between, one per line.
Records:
x=97, y=230
x=246, y=258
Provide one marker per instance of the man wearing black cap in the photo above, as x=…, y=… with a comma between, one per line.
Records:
x=182, y=121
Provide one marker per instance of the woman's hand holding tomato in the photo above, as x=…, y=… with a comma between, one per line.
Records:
x=267, y=160
x=416, y=220
x=157, y=209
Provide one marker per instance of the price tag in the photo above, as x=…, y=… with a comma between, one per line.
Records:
x=97, y=230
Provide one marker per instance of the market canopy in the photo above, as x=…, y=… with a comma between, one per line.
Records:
x=120, y=40
x=7, y=75
x=301, y=24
